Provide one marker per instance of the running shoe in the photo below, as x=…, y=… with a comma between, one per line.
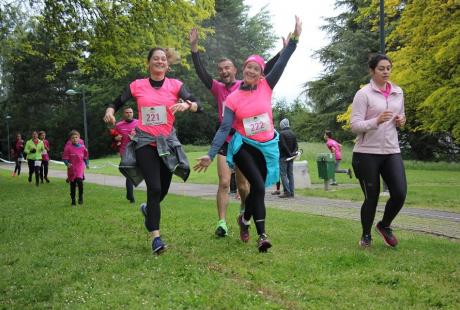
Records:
x=276, y=192
x=244, y=229
x=366, y=241
x=222, y=229
x=334, y=184
x=387, y=235
x=80, y=200
x=263, y=244
x=158, y=246
x=47, y=180
x=286, y=195
x=143, y=210
x=350, y=173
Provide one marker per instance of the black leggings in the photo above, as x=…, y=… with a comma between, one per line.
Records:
x=44, y=170
x=33, y=169
x=368, y=168
x=252, y=164
x=17, y=167
x=73, y=186
x=158, y=179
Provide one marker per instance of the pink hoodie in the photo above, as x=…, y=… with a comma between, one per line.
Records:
x=367, y=105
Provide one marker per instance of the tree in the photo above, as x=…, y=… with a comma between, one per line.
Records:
x=426, y=58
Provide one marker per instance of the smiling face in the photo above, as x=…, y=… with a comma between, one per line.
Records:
x=42, y=136
x=158, y=63
x=252, y=73
x=381, y=73
x=227, y=72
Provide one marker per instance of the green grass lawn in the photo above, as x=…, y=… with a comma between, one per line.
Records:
x=430, y=185
x=98, y=256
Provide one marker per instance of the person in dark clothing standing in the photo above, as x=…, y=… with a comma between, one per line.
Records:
x=288, y=147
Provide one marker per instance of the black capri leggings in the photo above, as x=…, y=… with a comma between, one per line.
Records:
x=252, y=164
x=33, y=169
x=158, y=179
x=368, y=168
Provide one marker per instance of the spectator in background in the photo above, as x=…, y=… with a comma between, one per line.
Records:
x=75, y=157
x=33, y=150
x=17, y=152
x=336, y=149
x=288, y=147
x=45, y=157
x=126, y=130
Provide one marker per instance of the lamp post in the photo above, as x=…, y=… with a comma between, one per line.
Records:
x=7, y=118
x=72, y=92
x=382, y=27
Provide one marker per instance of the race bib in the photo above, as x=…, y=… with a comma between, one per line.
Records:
x=154, y=116
x=37, y=163
x=254, y=125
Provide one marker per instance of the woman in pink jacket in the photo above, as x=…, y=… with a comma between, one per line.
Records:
x=377, y=112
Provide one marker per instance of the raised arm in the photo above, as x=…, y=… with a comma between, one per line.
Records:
x=199, y=68
x=275, y=74
x=269, y=65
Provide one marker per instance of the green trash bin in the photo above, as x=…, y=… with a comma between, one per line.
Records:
x=326, y=167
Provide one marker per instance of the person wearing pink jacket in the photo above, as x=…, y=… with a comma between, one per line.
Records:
x=75, y=157
x=377, y=112
x=336, y=149
x=45, y=157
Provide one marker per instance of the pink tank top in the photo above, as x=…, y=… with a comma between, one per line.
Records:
x=253, y=112
x=154, y=105
x=221, y=92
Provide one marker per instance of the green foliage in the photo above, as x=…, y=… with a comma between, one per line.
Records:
x=345, y=59
x=423, y=42
x=309, y=126
x=426, y=62
x=101, y=46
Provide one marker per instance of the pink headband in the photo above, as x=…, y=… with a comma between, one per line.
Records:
x=257, y=59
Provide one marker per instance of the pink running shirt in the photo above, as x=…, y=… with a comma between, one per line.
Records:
x=253, y=112
x=154, y=105
x=45, y=155
x=220, y=92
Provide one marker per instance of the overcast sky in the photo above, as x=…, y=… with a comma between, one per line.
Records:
x=302, y=66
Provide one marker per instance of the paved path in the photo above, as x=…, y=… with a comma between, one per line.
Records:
x=430, y=221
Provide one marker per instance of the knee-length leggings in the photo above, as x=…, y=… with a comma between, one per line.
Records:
x=158, y=179
x=368, y=168
x=252, y=164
